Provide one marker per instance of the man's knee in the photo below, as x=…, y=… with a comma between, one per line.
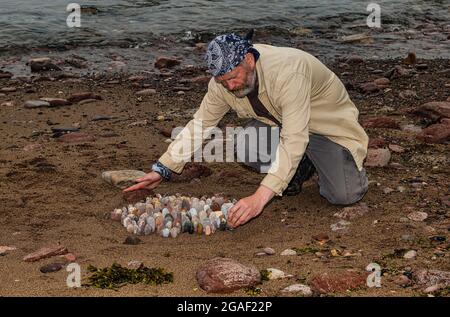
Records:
x=346, y=196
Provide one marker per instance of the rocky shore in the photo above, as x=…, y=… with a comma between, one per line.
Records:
x=61, y=131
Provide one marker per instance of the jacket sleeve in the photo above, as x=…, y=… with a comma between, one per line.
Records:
x=294, y=100
x=212, y=108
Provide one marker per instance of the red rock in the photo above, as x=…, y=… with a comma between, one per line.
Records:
x=396, y=72
x=42, y=64
x=433, y=110
x=4, y=74
x=382, y=82
x=223, y=275
x=55, y=102
x=369, y=87
x=76, y=137
x=70, y=257
x=410, y=59
x=137, y=78
x=32, y=147
x=321, y=237
x=380, y=122
x=82, y=96
x=166, y=62
x=86, y=101
x=396, y=148
x=45, y=252
x=8, y=89
x=377, y=157
x=52, y=267
x=191, y=171
x=402, y=280
x=436, y=133
x=431, y=277
x=137, y=195
x=377, y=143
x=201, y=79
x=355, y=59
x=146, y=92
x=337, y=283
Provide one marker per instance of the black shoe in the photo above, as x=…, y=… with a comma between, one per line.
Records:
x=304, y=172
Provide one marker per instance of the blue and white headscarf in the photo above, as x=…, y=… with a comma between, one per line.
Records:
x=226, y=52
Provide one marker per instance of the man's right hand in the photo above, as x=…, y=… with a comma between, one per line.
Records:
x=149, y=181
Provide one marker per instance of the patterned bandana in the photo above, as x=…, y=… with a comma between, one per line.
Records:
x=226, y=52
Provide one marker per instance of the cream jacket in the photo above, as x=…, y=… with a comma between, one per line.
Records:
x=301, y=93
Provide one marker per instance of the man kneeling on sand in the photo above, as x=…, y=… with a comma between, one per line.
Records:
x=285, y=88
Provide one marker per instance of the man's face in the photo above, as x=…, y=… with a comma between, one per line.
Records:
x=241, y=80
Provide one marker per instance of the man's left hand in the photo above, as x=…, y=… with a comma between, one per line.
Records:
x=249, y=207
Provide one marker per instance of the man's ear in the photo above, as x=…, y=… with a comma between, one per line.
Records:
x=250, y=60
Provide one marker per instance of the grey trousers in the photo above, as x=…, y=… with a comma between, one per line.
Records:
x=340, y=181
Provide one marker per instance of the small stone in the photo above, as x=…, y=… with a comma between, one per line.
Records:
x=380, y=122
x=146, y=92
x=55, y=102
x=421, y=66
x=86, y=101
x=355, y=59
x=166, y=62
x=396, y=148
x=116, y=215
x=377, y=157
x=42, y=64
x=70, y=257
x=360, y=38
x=174, y=232
x=433, y=110
x=341, y=225
x=376, y=143
x=432, y=277
x=387, y=190
x=269, y=251
x=382, y=82
x=411, y=128
x=222, y=275
x=7, y=104
x=8, y=89
x=134, y=265
x=322, y=238
x=298, y=288
x=32, y=147
x=122, y=178
x=349, y=213
x=45, y=252
x=275, y=274
x=77, y=97
x=401, y=189
x=288, y=252
x=410, y=59
x=369, y=87
x=160, y=118
x=432, y=289
x=5, y=249
x=436, y=133
x=338, y=282
x=101, y=118
x=165, y=232
x=418, y=216
x=410, y=255
x=402, y=280
x=76, y=137
x=53, y=267
x=406, y=94
x=132, y=240
x=31, y=104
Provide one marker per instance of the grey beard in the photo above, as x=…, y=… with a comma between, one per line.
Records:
x=251, y=82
